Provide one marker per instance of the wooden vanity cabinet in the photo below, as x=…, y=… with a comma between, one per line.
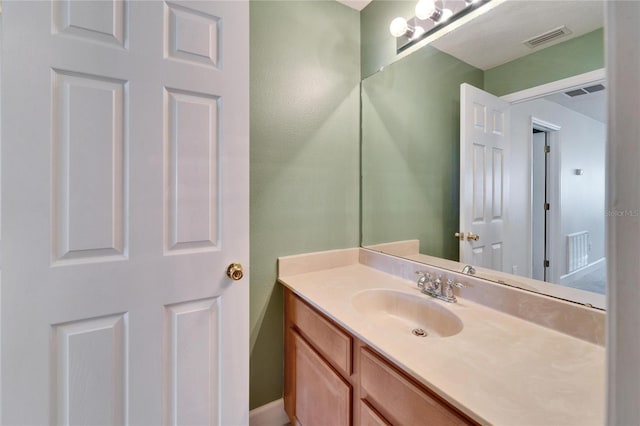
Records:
x=318, y=357
x=322, y=396
x=332, y=378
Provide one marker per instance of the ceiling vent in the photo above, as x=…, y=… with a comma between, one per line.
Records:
x=584, y=90
x=547, y=37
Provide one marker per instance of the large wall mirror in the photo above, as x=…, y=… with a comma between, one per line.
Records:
x=535, y=198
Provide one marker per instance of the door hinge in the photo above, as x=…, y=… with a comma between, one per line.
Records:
x=547, y=149
x=547, y=206
x=546, y=263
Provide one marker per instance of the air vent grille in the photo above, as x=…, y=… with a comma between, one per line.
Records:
x=584, y=90
x=576, y=92
x=594, y=88
x=547, y=37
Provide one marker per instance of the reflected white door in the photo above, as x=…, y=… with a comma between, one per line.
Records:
x=484, y=120
x=125, y=196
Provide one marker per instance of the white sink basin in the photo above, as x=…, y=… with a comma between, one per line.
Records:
x=405, y=313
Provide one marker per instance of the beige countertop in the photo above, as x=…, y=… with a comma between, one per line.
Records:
x=499, y=369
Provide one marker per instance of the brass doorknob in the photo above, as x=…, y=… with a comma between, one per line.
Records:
x=234, y=271
x=459, y=235
x=474, y=237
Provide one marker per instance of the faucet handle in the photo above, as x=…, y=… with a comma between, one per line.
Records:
x=425, y=277
x=468, y=269
x=448, y=287
x=453, y=283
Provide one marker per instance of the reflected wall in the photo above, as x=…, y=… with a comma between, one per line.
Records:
x=410, y=151
x=410, y=135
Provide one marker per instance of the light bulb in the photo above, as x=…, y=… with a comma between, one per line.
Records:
x=425, y=9
x=398, y=27
x=446, y=14
x=417, y=32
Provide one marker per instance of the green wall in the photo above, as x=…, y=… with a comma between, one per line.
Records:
x=410, y=134
x=305, y=74
x=572, y=57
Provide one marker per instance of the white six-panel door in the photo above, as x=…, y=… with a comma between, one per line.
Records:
x=124, y=198
x=484, y=120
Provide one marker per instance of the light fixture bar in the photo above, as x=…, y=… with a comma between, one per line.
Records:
x=431, y=16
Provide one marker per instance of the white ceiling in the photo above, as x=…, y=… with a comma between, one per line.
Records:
x=496, y=37
x=592, y=105
x=355, y=4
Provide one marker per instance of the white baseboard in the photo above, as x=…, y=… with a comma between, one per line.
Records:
x=271, y=414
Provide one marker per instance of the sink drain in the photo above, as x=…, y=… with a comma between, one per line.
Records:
x=419, y=332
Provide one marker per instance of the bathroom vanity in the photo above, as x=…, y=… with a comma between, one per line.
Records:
x=331, y=375
x=364, y=346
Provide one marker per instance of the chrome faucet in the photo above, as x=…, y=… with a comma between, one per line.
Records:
x=468, y=269
x=435, y=288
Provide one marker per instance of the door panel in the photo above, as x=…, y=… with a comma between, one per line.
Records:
x=90, y=371
x=479, y=183
x=192, y=169
x=125, y=196
x=483, y=144
x=192, y=344
x=89, y=155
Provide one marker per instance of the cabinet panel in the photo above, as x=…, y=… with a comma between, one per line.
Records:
x=329, y=340
x=397, y=398
x=322, y=396
x=369, y=417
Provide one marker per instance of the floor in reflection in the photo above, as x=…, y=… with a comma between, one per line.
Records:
x=595, y=281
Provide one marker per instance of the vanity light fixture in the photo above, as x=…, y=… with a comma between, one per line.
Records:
x=399, y=27
x=427, y=9
x=431, y=15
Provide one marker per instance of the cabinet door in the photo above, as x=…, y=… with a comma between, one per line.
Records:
x=322, y=396
x=369, y=417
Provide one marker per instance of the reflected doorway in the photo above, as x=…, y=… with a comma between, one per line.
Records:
x=567, y=186
x=540, y=203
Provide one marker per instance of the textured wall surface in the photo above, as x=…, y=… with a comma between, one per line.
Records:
x=576, y=56
x=305, y=73
x=411, y=151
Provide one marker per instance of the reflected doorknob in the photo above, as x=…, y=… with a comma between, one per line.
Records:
x=474, y=237
x=234, y=271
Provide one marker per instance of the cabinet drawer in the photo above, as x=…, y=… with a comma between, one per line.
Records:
x=398, y=399
x=334, y=344
x=323, y=397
